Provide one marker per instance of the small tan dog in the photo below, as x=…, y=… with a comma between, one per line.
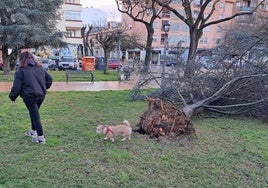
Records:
x=112, y=131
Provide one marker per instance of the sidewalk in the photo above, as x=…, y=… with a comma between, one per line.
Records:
x=91, y=86
x=83, y=86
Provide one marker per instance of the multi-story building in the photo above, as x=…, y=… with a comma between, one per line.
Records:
x=70, y=23
x=179, y=31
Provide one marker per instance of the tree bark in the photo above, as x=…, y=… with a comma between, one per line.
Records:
x=150, y=33
x=195, y=35
x=6, y=63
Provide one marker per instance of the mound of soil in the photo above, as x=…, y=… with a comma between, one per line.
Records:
x=162, y=118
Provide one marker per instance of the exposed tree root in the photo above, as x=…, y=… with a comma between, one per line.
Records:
x=162, y=118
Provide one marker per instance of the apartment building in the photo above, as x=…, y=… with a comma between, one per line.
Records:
x=178, y=32
x=70, y=23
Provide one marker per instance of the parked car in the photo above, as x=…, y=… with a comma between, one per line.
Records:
x=53, y=66
x=67, y=63
x=113, y=63
x=45, y=63
x=99, y=63
x=171, y=63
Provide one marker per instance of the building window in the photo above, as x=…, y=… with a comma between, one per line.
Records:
x=163, y=38
x=164, y=22
x=129, y=26
x=149, y=11
x=238, y=4
x=71, y=33
x=69, y=1
x=222, y=5
x=204, y=40
x=197, y=2
x=165, y=13
x=154, y=38
x=72, y=15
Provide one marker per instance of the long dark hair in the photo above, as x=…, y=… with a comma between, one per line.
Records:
x=25, y=58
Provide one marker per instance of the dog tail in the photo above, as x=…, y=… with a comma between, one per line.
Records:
x=126, y=123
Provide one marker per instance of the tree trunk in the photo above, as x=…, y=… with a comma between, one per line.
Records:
x=150, y=33
x=6, y=63
x=194, y=38
x=106, y=55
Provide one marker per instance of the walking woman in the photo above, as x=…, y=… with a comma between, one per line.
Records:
x=31, y=83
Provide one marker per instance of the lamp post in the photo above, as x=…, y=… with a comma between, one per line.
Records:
x=166, y=30
x=119, y=32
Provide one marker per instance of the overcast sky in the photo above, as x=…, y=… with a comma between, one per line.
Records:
x=108, y=6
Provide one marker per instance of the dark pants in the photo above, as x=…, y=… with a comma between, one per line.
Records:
x=33, y=107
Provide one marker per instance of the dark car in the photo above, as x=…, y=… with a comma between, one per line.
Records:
x=99, y=63
x=114, y=63
x=171, y=63
x=53, y=66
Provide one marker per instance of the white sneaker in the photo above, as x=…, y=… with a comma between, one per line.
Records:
x=31, y=133
x=39, y=140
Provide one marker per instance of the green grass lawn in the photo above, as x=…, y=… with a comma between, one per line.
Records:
x=228, y=152
x=59, y=76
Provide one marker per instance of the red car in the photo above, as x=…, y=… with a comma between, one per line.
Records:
x=114, y=63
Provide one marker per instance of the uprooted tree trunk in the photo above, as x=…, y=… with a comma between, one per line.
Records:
x=163, y=118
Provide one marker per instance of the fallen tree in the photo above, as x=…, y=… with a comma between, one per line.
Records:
x=244, y=95
x=231, y=80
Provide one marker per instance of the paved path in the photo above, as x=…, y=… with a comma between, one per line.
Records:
x=91, y=86
x=82, y=86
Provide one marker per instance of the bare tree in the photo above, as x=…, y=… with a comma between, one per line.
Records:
x=216, y=89
x=249, y=42
x=145, y=12
x=239, y=89
x=131, y=41
x=108, y=40
x=197, y=23
x=85, y=33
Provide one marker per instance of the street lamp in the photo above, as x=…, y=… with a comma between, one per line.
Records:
x=119, y=32
x=166, y=27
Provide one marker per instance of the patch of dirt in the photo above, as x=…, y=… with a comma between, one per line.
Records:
x=162, y=119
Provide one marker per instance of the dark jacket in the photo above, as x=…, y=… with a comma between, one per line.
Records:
x=30, y=83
